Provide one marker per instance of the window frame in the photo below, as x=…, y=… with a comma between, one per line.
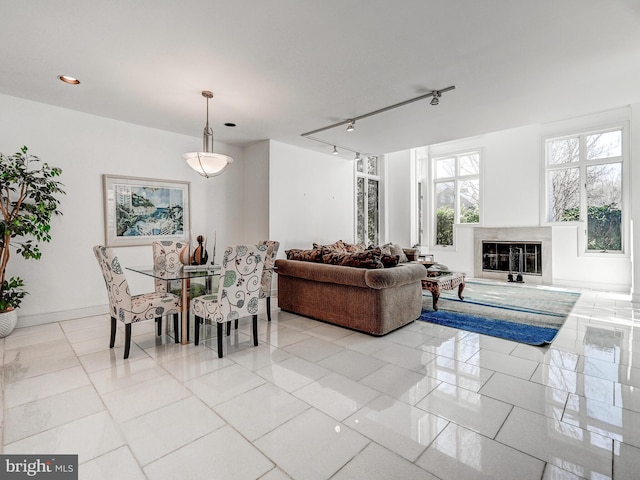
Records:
x=366, y=177
x=457, y=178
x=582, y=164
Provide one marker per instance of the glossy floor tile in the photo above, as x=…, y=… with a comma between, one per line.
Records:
x=316, y=401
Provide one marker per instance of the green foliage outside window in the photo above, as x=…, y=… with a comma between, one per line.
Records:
x=603, y=228
x=444, y=226
x=604, y=223
x=469, y=214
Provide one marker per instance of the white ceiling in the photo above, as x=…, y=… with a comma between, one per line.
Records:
x=279, y=68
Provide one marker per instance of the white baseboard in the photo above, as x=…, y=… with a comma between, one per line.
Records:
x=601, y=287
x=51, y=317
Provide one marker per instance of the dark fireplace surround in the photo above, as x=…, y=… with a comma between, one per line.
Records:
x=531, y=245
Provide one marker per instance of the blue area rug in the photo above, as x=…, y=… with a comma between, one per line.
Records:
x=518, y=312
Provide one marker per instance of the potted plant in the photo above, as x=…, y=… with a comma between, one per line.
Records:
x=28, y=201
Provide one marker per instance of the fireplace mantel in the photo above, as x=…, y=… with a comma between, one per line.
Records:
x=513, y=234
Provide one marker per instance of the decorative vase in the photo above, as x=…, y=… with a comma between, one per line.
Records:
x=8, y=321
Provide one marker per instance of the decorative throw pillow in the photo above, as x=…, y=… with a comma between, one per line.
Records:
x=366, y=259
x=355, y=247
x=338, y=246
x=389, y=260
x=397, y=250
x=314, y=255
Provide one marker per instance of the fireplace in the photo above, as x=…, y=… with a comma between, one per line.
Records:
x=512, y=257
x=513, y=253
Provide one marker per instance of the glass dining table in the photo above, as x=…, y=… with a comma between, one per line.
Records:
x=206, y=278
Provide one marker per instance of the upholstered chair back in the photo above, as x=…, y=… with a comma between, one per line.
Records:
x=269, y=262
x=121, y=305
x=117, y=286
x=168, y=258
x=239, y=287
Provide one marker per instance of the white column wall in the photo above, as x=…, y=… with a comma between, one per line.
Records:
x=400, y=194
x=311, y=197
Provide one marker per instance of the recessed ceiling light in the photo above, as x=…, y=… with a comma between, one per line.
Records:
x=69, y=80
x=229, y=124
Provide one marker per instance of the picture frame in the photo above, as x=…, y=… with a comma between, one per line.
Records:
x=140, y=211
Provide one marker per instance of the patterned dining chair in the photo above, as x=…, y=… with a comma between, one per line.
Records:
x=238, y=292
x=168, y=257
x=267, y=273
x=132, y=308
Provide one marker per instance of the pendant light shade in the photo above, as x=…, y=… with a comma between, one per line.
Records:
x=207, y=163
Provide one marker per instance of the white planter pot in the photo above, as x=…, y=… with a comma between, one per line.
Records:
x=8, y=321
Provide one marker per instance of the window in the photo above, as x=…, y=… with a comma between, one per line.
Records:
x=584, y=183
x=367, y=200
x=456, y=190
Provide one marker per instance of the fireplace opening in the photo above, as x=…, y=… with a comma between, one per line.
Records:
x=513, y=258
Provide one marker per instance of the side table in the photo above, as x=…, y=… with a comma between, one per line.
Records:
x=446, y=282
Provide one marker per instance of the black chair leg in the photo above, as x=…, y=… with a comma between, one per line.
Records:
x=159, y=322
x=127, y=340
x=228, y=328
x=269, y=308
x=176, y=329
x=220, y=339
x=255, y=330
x=236, y=324
x=112, y=340
x=196, y=331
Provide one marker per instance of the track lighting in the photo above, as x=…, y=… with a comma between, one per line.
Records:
x=435, y=100
x=335, y=151
x=357, y=156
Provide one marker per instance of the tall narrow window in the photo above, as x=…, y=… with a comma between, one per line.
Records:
x=367, y=201
x=584, y=183
x=456, y=187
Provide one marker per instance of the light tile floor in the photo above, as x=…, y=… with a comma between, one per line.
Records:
x=315, y=401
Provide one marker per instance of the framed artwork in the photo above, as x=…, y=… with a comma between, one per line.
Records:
x=139, y=211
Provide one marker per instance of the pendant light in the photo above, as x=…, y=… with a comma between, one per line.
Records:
x=207, y=163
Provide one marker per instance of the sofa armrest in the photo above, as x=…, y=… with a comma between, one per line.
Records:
x=391, y=277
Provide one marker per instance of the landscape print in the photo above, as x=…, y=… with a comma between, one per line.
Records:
x=149, y=211
x=139, y=211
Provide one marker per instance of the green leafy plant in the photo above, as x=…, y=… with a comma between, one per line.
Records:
x=444, y=226
x=28, y=201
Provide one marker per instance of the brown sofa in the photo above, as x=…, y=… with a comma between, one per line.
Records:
x=374, y=301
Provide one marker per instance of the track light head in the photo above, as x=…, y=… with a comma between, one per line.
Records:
x=436, y=97
x=357, y=156
x=351, y=125
x=335, y=151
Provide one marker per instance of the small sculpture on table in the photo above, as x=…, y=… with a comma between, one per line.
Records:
x=200, y=255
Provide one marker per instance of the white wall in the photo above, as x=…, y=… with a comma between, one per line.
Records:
x=256, y=187
x=512, y=175
x=310, y=197
x=67, y=282
x=399, y=198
